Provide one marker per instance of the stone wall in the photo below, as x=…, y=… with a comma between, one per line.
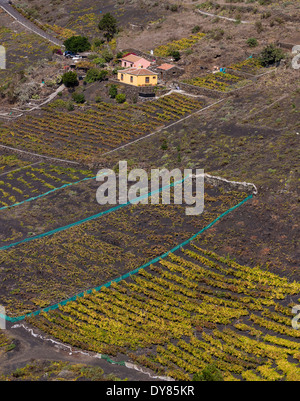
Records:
x=229, y=185
x=197, y=90
x=132, y=92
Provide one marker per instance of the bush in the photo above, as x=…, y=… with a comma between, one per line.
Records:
x=99, y=61
x=252, y=42
x=120, y=97
x=69, y=79
x=175, y=54
x=94, y=75
x=70, y=106
x=271, y=55
x=119, y=55
x=98, y=42
x=196, y=29
x=259, y=27
x=216, y=34
x=209, y=373
x=78, y=97
x=107, y=56
x=113, y=91
x=77, y=44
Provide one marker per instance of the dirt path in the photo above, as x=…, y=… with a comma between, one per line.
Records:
x=220, y=16
x=29, y=348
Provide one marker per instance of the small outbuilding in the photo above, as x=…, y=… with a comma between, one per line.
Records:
x=167, y=71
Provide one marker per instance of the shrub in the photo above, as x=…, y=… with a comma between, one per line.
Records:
x=164, y=145
x=196, y=29
x=100, y=61
x=78, y=97
x=70, y=106
x=175, y=54
x=252, y=42
x=70, y=79
x=113, y=91
x=209, y=373
x=77, y=44
x=259, y=27
x=119, y=55
x=271, y=55
x=107, y=56
x=216, y=34
x=94, y=75
x=120, y=97
x=98, y=42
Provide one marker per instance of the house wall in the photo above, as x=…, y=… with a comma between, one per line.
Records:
x=127, y=78
x=126, y=64
x=137, y=80
x=141, y=80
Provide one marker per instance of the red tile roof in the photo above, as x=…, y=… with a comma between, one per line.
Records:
x=166, y=66
x=131, y=58
x=138, y=71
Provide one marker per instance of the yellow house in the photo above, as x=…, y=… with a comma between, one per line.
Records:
x=138, y=77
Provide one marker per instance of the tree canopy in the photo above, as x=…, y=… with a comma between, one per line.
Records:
x=108, y=24
x=70, y=79
x=77, y=44
x=271, y=55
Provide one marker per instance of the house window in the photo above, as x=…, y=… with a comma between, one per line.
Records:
x=131, y=78
x=122, y=77
x=125, y=64
x=147, y=80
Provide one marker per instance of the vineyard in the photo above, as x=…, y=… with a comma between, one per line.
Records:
x=81, y=134
x=93, y=252
x=145, y=291
x=32, y=181
x=250, y=66
x=190, y=310
x=180, y=44
x=219, y=81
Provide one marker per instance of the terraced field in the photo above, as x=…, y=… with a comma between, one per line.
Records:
x=190, y=310
x=81, y=245
x=180, y=44
x=89, y=132
x=219, y=81
x=35, y=180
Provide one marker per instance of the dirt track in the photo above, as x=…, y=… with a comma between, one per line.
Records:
x=29, y=348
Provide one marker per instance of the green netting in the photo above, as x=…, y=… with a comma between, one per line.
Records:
x=107, y=358
x=126, y=275
x=96, y=216
x=46, y=193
